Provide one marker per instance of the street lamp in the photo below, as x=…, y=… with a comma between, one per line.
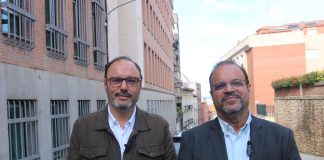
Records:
x=107, y=29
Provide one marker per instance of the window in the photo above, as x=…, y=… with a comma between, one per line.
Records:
x=293, y=26
x=155, y=106
x=22, y=129
x=261, y=109
x=310, y=24
x=188, y=122
x=18, y=23
x=56, y=35
x=60, y=128
x=149, y=106
x=84, y=107
x=312, y=31
x=80, y=32
x=312, y=53
x=101, y=104
x=98, y=26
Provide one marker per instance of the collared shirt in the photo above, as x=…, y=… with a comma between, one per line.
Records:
x=121, y=134
x=236, y=143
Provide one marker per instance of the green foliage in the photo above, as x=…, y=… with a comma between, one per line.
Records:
x=308, y=79
x=179, y=110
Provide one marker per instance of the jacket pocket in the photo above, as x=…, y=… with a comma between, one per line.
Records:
x=151, y=151
x=93, y=152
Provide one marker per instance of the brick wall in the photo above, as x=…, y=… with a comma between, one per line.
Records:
x=37, y=57
x=305, y=116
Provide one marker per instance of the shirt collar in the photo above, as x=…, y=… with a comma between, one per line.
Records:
x=114, y=122
x=226, y=128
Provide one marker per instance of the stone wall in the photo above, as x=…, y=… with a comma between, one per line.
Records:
x=305, y=116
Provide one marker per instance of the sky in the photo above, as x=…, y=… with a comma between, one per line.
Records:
x=208, y=29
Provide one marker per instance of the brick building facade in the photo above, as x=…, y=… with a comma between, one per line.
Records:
x=143, y=30
x=275, y=52
x=52, y=55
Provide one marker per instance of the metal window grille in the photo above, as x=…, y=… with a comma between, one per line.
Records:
x=84, y=107
x=56, y=35
x=98, y=26
x=18, y=23
x=148, y=106
x=261, y=109
x=80, y=32
x=60, y=128
x=155, y=106
x=22, y=130
x=101, y=104
x=98, y=58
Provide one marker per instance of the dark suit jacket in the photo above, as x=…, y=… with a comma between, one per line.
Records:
x=270, y=141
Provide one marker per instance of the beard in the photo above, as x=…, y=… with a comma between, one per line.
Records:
x=219, y=104
x=222, y=109
x=121, y=105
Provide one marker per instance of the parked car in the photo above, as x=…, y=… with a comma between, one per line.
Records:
x=176, y=141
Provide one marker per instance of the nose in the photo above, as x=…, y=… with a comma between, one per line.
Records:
x=123, y=85
x=228, y=88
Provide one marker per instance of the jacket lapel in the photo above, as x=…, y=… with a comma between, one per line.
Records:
x=216, y=137
x=257, y=137
x=141, y=123
x=102, y=120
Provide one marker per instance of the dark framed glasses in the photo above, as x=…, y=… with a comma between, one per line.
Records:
x=236, y=83
x=130, y=81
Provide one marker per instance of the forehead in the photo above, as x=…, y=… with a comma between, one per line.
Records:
x=227, y=72
x=123, y=68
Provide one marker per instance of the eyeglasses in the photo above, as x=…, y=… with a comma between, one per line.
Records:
x=236, y=83
x=130, y=81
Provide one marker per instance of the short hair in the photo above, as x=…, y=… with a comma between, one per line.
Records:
x=107, y=66
x=221, y=63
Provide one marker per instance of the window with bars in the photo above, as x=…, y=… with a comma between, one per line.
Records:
x=84, y=107
x=261, y=109
x=18, y=23
x=148, y=106
x=98, y=27
x=56, y=35
x=80, y=32
x=60, y=128
x=101, y=104
x=22, y=129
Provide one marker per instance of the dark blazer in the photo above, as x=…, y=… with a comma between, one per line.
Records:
x=270, y=141
x=92, y=138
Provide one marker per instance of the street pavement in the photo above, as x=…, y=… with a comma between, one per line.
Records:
x=310, y=157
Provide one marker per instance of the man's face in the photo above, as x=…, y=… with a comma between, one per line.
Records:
x=125, y=94
x=229, y=90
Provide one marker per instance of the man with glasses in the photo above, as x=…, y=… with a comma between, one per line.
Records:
x=122, y=130
x=236, y=134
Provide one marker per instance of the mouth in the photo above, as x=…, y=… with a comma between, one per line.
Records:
x=230, y=97
x=123, y=96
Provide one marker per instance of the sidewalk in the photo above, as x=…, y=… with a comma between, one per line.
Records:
x=310, y=157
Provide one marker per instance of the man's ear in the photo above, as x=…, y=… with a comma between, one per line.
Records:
x=248, y=87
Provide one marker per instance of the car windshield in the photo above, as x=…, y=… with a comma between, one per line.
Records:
x=176, y=142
